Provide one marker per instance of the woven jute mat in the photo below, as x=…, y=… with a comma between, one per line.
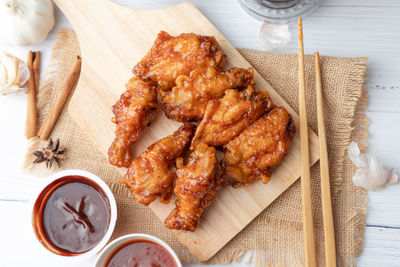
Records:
x=274, y=238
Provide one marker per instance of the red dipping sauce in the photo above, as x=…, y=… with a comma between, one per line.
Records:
x=141, y=253
x=71, y=215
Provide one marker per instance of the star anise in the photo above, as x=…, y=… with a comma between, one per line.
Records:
x=49, y=154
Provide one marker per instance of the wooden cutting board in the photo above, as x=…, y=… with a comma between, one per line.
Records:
x=113, y=39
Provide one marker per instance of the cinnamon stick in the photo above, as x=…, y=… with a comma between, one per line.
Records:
x=36, y=69
x=31, y=112
x=61, y=99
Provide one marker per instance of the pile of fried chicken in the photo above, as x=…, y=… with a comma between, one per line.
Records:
x=184, y=75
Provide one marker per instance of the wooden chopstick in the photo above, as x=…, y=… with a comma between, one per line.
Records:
x=308, y=225
x=329, y=232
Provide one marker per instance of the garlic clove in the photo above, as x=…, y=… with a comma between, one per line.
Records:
x=355, y=155
x=371, y=174
x=393, y=178
x=14, y=73
x=273, y=36
x=3, y=76
x=12, y=69
x=23, y=74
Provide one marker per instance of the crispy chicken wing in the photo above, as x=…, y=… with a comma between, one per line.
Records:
x=173, y=56
x=196, y=187
x=152, y=174
x=254, y=153
x=134, y=111
x=227, y=117
x=188, y=99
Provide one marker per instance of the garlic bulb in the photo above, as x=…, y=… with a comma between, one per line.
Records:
x=25, y=22
x=273, y=36
x=14, y=73
x=370, y=173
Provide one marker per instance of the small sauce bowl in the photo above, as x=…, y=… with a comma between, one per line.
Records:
x=118, y=244
x=73, y=214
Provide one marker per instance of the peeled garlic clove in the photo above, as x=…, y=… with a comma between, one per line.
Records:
x=23, y=75
x=355, y=155
x=370, y=173
x=14, y=73
x=273, y=36
x=3, y=76
x=10, y=68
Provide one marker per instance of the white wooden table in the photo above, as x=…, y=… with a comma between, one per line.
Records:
x=344, y=28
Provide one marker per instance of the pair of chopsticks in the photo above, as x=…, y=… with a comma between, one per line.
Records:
x=308, y=226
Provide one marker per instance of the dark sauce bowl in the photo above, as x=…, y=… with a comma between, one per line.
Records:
x=108, y=254
x=73, y=214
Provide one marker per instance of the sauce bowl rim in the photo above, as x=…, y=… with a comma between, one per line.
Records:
x=110, y=248
x=113, y=211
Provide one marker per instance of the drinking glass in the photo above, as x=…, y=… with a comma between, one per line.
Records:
x=278, y=11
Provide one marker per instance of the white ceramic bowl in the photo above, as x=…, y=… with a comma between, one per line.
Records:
x=114, y=245
x=113, y=211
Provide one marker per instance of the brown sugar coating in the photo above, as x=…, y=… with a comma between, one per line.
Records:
x=134, y=111
x=187, y=101
x=152, y=174
x=254, y=153
x=227, y=117
x=172, y=56
x=196, y=186
x=184, y=74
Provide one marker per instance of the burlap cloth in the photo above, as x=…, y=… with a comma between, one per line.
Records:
x=275, y=236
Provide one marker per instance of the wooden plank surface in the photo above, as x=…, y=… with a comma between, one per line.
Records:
x=373, y=28
x=123, y=36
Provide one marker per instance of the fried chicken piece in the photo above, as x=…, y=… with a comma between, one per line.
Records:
x=227, y=117
x=187, y=101
x=152, y=174
x=134, y=111
x=196, y=187
x=173, y=56
x=254, y=153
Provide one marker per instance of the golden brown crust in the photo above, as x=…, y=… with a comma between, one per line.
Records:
x=172, y=56
x=134, y=111
x=227, y=117
x=196, y=187
x=187, y=101
x=186, y=73
x=254, y=153
x=152, y=174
